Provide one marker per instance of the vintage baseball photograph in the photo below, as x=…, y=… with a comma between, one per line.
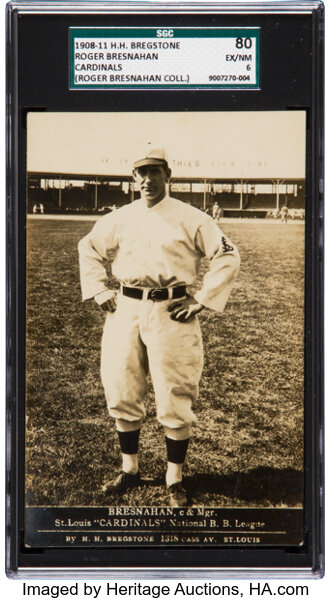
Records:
x=165, y=326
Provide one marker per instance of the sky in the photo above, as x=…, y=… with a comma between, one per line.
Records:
x=199, y=144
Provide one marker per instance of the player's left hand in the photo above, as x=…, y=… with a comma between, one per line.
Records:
x=184, y=309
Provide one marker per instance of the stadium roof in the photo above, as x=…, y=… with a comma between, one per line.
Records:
x=109, y=178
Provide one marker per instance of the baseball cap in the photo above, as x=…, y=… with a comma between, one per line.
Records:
x=155, y=156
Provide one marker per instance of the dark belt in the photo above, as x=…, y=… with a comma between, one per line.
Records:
x=156, y=294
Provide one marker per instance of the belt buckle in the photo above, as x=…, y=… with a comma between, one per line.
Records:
x=157, y=295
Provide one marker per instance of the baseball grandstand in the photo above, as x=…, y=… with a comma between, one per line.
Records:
x=72, y=193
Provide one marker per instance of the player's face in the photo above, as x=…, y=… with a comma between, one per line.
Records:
x=152, y=181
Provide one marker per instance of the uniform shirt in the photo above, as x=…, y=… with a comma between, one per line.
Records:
x=160, y=246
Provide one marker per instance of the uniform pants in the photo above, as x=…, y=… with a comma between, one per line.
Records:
x=138, y=338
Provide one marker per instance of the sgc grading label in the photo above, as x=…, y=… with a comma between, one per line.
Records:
x=144, y=58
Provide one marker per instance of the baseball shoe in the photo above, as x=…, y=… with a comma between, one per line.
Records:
x=122, y=483
x=177, y=495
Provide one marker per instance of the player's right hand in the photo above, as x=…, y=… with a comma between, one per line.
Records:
x=109, y=305
x=107, y=300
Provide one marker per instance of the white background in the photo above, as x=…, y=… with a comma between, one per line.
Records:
x=10, y=589
x=197, y=57
x=55, y=145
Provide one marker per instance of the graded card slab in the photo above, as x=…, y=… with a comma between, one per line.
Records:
x=164, y=397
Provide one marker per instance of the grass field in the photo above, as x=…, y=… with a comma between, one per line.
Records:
x=247, y=448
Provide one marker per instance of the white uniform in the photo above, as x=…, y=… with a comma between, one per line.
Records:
x=155, y=247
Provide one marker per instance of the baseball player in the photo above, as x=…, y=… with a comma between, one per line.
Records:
x=216, y=211
x=151, y=323
x=284, y=213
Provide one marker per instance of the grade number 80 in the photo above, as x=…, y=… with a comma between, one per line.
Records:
x=243, y=42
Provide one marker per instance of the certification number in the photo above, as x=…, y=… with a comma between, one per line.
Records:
x=229, y=77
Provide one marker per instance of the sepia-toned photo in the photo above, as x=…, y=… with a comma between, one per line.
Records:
x=165, y=328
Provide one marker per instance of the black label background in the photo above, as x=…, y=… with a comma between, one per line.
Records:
x=209, y=527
